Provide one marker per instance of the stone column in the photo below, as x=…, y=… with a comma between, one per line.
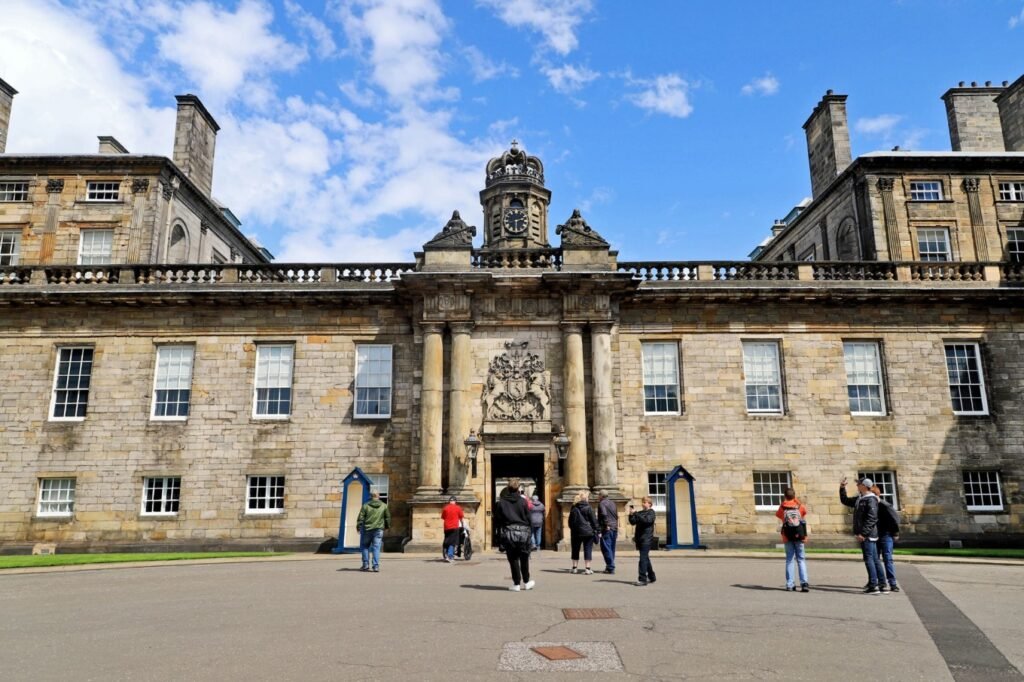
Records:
x=605, y=450
x=971, y=186
x=575, y=406
x=459, y=409
x=431, y=410
x=892, y=234
x=48, y=242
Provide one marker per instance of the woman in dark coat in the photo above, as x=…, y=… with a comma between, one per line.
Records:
x=582, y=531
x=512, y=518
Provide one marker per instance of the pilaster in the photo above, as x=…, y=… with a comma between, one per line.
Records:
x=971, y=186
x=892, y=235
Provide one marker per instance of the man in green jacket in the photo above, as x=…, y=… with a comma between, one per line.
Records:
x=374, y=518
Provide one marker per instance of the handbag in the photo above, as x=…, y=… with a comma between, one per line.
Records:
x=516, y=536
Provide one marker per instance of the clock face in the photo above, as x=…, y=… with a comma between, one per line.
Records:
x=515, y=220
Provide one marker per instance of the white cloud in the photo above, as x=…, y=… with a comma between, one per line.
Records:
x=882, y=125
x=555, y=20
x=598, y=196
x=765, y=85
x=315, y=29
x=568, y=79
x=484, y=68
x=666, y=94
x=225, y=53
x=1017, y=20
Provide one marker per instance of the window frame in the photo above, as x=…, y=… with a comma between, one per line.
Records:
x=674, y=345
x=14, y=255
x=381, y=484
x=929, y=192
x=777, y=344
x=356, y=414
x=268, y=485
x=810, y=254
x=879, y=476
x=787, y=483
x=1015, y=255
x=93, y=232
x=880, y=368
x=653, y=484
x=1011, y=190
x=165, y=489
x=71, y=501
x=156, y=378
x=56, y=375
x=260, y=347
x=95, y=191
x=983, y=392
x=11, y=195
x=948, y=239
x=966, y=473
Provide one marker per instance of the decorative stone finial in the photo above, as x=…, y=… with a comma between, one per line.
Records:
x=455, y=233
x=576, y=232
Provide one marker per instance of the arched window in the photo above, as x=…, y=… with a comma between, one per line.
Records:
x=177, y=250
x=515, y=203
x=847, y=244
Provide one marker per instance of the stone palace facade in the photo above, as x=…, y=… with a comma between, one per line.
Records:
x=211, y=402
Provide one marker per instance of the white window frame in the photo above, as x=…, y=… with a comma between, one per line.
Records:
x=1015, y=244
x=748, y=371
x=973, y=477
x=373, y=380
x=658, y=353
x=886, y=481
x=10, y=247
x=166, y=381
x=929, y=257
x=851, y=364
x=56, y=380
x=774, y=486
x=13, y=191
x=103, y=191
x=278, y=381
x=926, y=190
x=65, y=495
x=658, y=480
x=380, y=484
x=1011, y=190
x=270, y=482
x=166, y=485
x=975, y=354
x=89, y=253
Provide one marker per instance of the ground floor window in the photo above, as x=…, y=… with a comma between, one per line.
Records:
x=265, y=495
x=380, y=484
x=56, y=496
x=769, y=489
x=658, y=490
x=982, y=491
x=886, y=482
x=161, y=495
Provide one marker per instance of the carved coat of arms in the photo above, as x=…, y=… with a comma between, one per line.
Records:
x=517, y=386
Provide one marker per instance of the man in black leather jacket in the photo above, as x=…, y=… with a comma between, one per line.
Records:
x=865, y=527
x=644, y=522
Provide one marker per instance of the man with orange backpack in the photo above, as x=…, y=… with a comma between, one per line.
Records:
x=793, y=513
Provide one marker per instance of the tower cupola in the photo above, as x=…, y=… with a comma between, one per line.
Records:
x=515, y=201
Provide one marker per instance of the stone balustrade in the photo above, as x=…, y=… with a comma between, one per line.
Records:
x=835, y=271
x=516, y=259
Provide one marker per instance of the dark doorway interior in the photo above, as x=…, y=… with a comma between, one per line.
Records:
x=528, y=468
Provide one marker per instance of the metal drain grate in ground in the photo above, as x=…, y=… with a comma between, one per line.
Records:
x=598, y=657
x=589, y=614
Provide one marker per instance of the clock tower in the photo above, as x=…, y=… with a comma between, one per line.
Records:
x=515, y=202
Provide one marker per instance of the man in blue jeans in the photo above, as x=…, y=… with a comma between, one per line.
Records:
x=865, y=527
x=374, y=518
x=608, y=526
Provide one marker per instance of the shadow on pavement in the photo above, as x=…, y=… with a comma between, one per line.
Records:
x=837, y=588
x=485, y=587
x=609, y=580
x=764, y=588
x=357, y=570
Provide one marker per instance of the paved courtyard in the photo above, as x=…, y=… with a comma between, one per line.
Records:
x=419, y=618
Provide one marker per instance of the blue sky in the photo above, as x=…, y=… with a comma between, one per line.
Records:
x=352, y=128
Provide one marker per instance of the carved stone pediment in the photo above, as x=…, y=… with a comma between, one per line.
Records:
x=518, y=386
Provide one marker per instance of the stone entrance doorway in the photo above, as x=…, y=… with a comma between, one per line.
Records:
x=528, y=468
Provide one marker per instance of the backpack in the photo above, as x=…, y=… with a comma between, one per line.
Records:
x=793, y=525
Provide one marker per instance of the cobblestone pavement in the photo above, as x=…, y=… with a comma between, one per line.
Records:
x=419, y=618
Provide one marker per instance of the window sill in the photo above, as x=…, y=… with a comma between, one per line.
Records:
x=766, y=415
x=53, y=518
x=101, y=202
x=663, y=414
x=371, y=417
x=870, y=415
x=970, y=416
x=168, y=420
x=150, y=516
x=65, y=420
x=931, y=201
x=272, y=420
x=986, y=510
x=767, y=510
x=261, y=516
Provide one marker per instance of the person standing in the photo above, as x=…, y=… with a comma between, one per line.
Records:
x=888, y=533
x=582, y=529
x=374, y=518
x=644, y=538
x=793, y=515
x=452, y=516
x=865, y=528
x=608, y=525
x=537, y=521
x=512, y=518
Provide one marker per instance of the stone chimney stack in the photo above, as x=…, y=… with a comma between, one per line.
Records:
x=1011, y=115
x=974, y=118
x=195, y=137
x=778, y=227
x=110, y=145
x=828, y=141
x=7, y=94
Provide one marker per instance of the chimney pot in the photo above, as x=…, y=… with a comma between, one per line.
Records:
x=1005, y=83
x=828, y=92
x=195, y=139
x=973, y=119
x=960, y=84
x=110, y=145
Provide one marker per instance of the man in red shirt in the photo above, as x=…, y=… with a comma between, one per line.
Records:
x=452, y=516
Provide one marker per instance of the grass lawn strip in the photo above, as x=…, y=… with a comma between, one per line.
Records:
x=25, y=561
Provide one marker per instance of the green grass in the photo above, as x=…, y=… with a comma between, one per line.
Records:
x=924, y=551
x=22, y=561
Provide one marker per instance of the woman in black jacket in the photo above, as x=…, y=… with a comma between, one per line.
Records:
x=644, y=522
x=582, y=530
x=512, y=517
